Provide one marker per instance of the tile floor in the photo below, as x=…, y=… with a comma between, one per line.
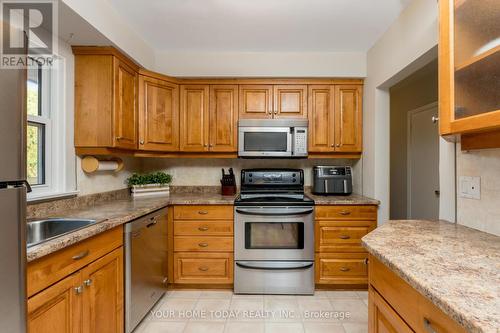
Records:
x=223, y=312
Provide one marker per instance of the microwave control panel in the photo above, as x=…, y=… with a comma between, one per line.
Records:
x=300, y=141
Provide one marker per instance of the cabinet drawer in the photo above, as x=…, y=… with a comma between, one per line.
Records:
x=341, y=237
x=346, y=212
x=203, y=244
x=341, y=268
x=47, y=270
x=206, y=268
x=383, y=318
x=198, y=228
x=212, y=212
x=413, y=307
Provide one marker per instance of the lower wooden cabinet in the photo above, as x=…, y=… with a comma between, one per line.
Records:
x=395, y=306
x=340, y=258
x=203, y=245
x=88, y=300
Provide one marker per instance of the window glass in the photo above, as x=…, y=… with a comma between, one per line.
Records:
x=35, y=153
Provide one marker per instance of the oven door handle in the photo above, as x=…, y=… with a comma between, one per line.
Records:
x=274, y=212
x=273, y=266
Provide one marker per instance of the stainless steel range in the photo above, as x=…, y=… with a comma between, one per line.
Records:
x=274, y=234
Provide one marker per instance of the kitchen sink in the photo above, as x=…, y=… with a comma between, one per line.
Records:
x=40, y=231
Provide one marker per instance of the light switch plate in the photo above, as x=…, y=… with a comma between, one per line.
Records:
x=470, y=187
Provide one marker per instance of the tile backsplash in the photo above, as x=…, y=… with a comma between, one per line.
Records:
x=483, y=214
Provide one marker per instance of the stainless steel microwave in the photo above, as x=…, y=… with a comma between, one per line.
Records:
x=272, y=138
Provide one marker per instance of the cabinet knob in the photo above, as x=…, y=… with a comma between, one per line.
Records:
x=210, y=145
x=87, y=283
x=203, y=244
x=332, y=145
x=345, y=269
x=435, y=119
x=119, y=138
x=205, y=145
x=203, y=268
x=203, y=228
x=275, y=111
x=141, y=142
x=338, y=145
x=78, y=290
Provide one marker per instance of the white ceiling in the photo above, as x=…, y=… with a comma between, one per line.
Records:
x=260, y=25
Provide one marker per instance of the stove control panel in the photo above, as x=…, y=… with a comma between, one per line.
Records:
x=272, y=177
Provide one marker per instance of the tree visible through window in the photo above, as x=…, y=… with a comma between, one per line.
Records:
x=37, y=126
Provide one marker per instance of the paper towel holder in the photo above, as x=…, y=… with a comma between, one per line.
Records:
x=91, y=164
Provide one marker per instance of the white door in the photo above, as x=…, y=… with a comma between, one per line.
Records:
x=423, y=164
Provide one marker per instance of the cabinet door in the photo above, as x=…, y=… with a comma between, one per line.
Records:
x=158, y=115
x=103, y=294
x=125, y=106
x=57, y=308
x=321, y=118
x=382, y=317
x=348, y=118
x=256, y=101
x=194, y=124
x=290, y=101
x=223, y=118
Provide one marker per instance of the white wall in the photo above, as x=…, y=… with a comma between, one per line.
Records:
x=483, y=214
x=407, y=45
x=103, y=17
x=261, y=64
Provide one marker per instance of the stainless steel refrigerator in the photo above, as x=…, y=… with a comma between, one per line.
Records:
x=13, y=189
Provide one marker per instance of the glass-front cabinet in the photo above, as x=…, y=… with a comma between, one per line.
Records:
x=469, y=66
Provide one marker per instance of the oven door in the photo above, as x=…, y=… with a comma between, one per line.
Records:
x=274, y=233
x=264, y=141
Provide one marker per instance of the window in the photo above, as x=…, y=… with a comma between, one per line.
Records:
x=50, y=164
x=38, y=122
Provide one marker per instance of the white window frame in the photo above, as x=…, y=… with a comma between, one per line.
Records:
x=54, y=86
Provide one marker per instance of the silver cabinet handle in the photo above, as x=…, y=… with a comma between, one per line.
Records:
x=344, y=237
x=345, y=269
x=345, y=212
x=435, y=119
x=428, y=326
x=81, y=255
x=203, y=228
x=203, y=268
x=202, y=212
x=203, y=244
x=154, y=222
x=87, y=283
x=78, y=290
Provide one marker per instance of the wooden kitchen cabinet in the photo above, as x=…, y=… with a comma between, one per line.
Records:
x=335, y=118
x=105, y=99
x=103, y=295
x=395, y=306
x=469, y=67
x=194, y=124
x=223, y=118
x=79, y=288
x=57, y=309
x=348, y=118
x=340, y=258
x=290, y=101
x=256, y=101
x=202, y=239
x=158, y=114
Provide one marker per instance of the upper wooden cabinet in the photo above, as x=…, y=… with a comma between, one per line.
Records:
x=256, y=101
x=158, y=114
x=273, y=101
x=469, y=66
x=335, y=118
x=105, y=98
x=209, y=118
x=223, y=118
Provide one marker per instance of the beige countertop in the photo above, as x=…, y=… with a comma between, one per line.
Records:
x=118, y=209
x=456, y=267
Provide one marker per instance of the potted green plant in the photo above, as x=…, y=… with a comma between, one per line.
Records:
x=155, y=183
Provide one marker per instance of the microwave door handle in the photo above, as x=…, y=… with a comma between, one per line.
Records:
x=289, y=146
x=274, y=212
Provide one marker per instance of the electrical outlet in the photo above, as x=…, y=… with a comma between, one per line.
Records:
x=470, y=187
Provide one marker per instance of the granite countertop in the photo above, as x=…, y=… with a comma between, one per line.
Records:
x=116, y=212
x=456, y=267
x=352, y=199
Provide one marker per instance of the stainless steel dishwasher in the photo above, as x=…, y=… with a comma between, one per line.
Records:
x=145, y=265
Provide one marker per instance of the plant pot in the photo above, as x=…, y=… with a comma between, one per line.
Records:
x=149, y=190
